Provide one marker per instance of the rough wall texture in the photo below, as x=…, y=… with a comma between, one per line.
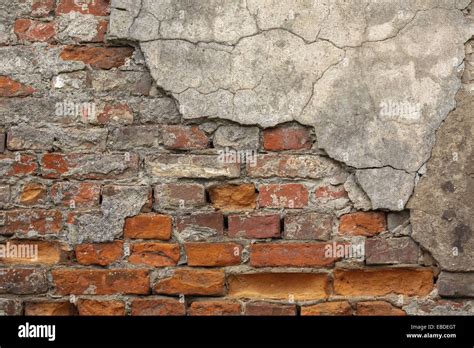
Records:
x=233, y=157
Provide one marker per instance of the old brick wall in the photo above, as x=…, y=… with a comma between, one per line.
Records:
x=135, y=210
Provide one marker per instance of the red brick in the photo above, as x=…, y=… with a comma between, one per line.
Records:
x=330, y=192
x=148, y=226
x=93, y=7
x=309, y=226
x=10, y=307
x=211, y=221
x=278, y=286
x=155, y=254
x=184, y=138
x=378, y=308
x=45, y=308
x=35, y=31
x=88, y=166
x=23, y=281
x=98, y=57
x=101, y=31
x=183, y=196
x=192, y=282
x=37, y=221
x=119, y=113
x=269, y=309
x=33, y=193
x=283, y=196
x=101, y=282
x=381, y=282
x=42, y=8
x=338, y=308
x=363, y=224
x=101, y=308
x=22, y=252
x=213, y=254
x=233, y=197
x=289, y=255
x=102, y=254
x=12, y=88
x=254, y=226
x=287, y=138
x=26, y=165
x=214, y=308
x=158, y=307
x=82, y=194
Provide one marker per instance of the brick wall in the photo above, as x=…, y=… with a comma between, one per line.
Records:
x=135, y=212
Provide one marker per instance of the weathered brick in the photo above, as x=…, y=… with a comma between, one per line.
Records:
x=329, y=192
x=18, y=166
x=158, y=111
x=310, y=226
x=89, y=166
x=123, y=82
x=287, y=138
x=56, y=138
x=102, y=254
x=42, y=8
x=195, y=226
x=233, y=197
x=148, y=226
x=79, y=195
x=100, y=308
x=101, y=282
x=96, y=7
x=36, y=221
x=183, y=196
x=115, y=113
x=254, y=226
x=5, y=195
x=190, y=166
x=214, y=308
x=154, y=254
x=97, y=57
x=158, y=307
x=237, y=137
x=456, y=284
x=337, y=308
x=283, y=196
x=3, y=141
x=289, y=255
x=132, y=137
x=22, y=252
x=35, y=31
x=295, y=166
x=278, y=286
x=363, y=223
x=377, y=308
x=184, y=138
x=269, y=309
x=213, y=254
x=380, y=282
x=192, y=282
x=101, y=30
x=10, y=307
x=49, y=308
x=12, y=88
x=33, y=193
x=391, y=251
x=23, y=281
